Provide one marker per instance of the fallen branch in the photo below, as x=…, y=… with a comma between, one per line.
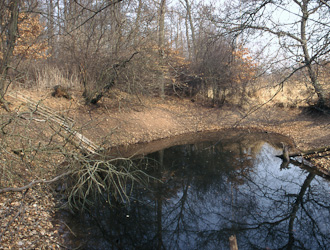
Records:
x=307, y=152
x=64, y=122
x=305, y=163
x=311, y=152
x=31, y=184
x=311, y=167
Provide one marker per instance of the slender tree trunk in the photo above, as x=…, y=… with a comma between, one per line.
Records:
x=51, y=28
x=188, y=38
x=116, y=22
x=137, y=23
x=59, y=18
x=12, y=30
x=161, y=42
x=178, y=30
x=161, y=28
x=295, y=208
x=192, y=28
x=311, y=72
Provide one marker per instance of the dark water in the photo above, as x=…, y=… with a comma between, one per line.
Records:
x=210, y=191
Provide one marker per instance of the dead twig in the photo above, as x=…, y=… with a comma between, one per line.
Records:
x=64, y=122
x=31, y=184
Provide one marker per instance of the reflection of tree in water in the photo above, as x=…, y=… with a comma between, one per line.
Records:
x=211, y=191
x=209, y=171
x=292, y=210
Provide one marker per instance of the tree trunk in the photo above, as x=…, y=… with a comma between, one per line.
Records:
x=116, y=22
x=12, y=27
x=50, y=29
x=137, y=23
x=161, y=42
x=295, y=208
x=192, y=29
x=188, y=39
x=161, y=28
x=311, y=71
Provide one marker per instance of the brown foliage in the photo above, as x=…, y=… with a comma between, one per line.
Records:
x=28, y=44
x=243, y=66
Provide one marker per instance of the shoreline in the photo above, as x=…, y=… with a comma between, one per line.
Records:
x=152, y=121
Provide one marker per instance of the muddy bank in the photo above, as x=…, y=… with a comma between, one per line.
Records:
x=180, y=117
x=218, y=136
x=114, y=123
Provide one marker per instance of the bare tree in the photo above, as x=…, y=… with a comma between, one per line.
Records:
x=161, y=27
x=161, y=42
x=190, y=24
x=301, y=27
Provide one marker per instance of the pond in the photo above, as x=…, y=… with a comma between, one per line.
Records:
x=222, y=185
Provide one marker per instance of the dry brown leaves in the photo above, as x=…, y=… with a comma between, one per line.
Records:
x=26, y=220
x=321, y=161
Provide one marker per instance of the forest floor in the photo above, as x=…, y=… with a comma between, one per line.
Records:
x=126, y=120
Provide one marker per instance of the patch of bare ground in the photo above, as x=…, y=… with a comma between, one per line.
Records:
x=125, y=120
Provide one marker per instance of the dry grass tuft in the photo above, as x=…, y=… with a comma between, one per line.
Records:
x=48, y=77
x=292, y=94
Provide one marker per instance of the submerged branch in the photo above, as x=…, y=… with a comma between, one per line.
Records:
x=304, y=163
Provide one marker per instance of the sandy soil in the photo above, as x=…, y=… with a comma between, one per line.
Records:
x=126, y=120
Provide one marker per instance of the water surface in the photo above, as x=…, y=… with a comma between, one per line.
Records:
x=211, y=190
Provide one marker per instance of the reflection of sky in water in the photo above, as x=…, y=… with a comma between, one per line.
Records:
x=268, y=171
x=258, y=211
x=214, y=194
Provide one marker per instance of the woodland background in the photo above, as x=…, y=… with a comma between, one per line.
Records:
x=240, y=55
x=188, y=48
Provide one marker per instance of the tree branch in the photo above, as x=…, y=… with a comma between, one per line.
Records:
x=277, y=33
x=31, y=184
x=94, y=14
x=280, y=85
x=325, y=3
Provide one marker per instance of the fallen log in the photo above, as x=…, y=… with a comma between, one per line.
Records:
x=303, y=162
x=66, y=123
x=304, y=153
x=311, y=152
x=324, y=173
